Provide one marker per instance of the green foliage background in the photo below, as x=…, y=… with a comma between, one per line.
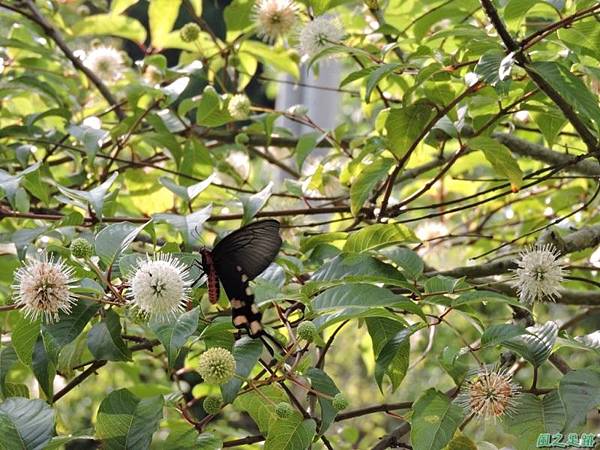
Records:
x=468, y=130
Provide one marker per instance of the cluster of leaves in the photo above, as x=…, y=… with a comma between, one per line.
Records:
x=154, y=162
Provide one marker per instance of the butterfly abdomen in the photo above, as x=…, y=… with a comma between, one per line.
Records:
x=212, y=279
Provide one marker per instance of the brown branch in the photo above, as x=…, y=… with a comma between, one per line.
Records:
x=79, y=379
x=244, y=441
x=538, y=35
x=588, y=237
x=385, y=407
x=88, y=220
x=95, y=366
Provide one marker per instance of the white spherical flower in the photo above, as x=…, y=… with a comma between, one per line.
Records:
x=275, y=18
x=106, y=62
x=489, y=394
x=539, y=275
x=160, y=287
x=318, y=34
x=239, y=107
x=42, y=288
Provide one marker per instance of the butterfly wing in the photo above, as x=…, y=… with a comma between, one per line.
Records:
x=240, y=257
x=251, y=248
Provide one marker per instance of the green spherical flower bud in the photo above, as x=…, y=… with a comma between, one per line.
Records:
x=307, y=331
x=283, y=410
x=239, y=107
x=212, y=404
x=81, y=248
x=242, y=139
x=189, y=32
x=340, y=401
x=217, y=365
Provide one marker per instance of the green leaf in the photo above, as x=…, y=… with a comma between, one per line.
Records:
x=187, y=193
x=321, y=382
x=110, y=25
x=326, y=320
x=355, y=267
x=405, y=125
x=237, y=16
x=246, y=352
x=582, y=33
x=114, y=239
x=70, y=325
x=579, y=391
x=70, y=356
x=496, y=334
x=16, y=390
x=361, y=296
x=536, y=346
x=260, y=406
x=125, y=421
x=277, y=58
x=94, y=197
x=291, y=434
x=406, y=259
x=586, y=342
x=8, y=358
x=306, y=144
x=533, y=416
x=377, y=75
x=189, y=226
x=470, y=297
x=189, y=439
x=25, y=424
x=91, y=138
x=104, y=339
x=435, y=419
x=500, y=158
x=119, y=6
x=378, y=236
x=43, y=367
x=173, y=334
x=24, y=336
x=571, y=87
x=254, y=203
x=211, y=111
x=161, y=16
x=369, y=177
x=391, y=348
x=441, y=284
x=550, y=122
x=461, y=442
x=488, y=67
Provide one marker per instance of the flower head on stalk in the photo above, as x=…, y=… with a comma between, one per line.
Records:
x=539, y=274
x=43, y=288
x=159, y=287
x=489, y=394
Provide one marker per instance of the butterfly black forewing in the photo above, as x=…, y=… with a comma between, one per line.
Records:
x=252, y=248
x=240, y=257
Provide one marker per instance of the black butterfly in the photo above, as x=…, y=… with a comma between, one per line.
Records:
x=238, y=258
